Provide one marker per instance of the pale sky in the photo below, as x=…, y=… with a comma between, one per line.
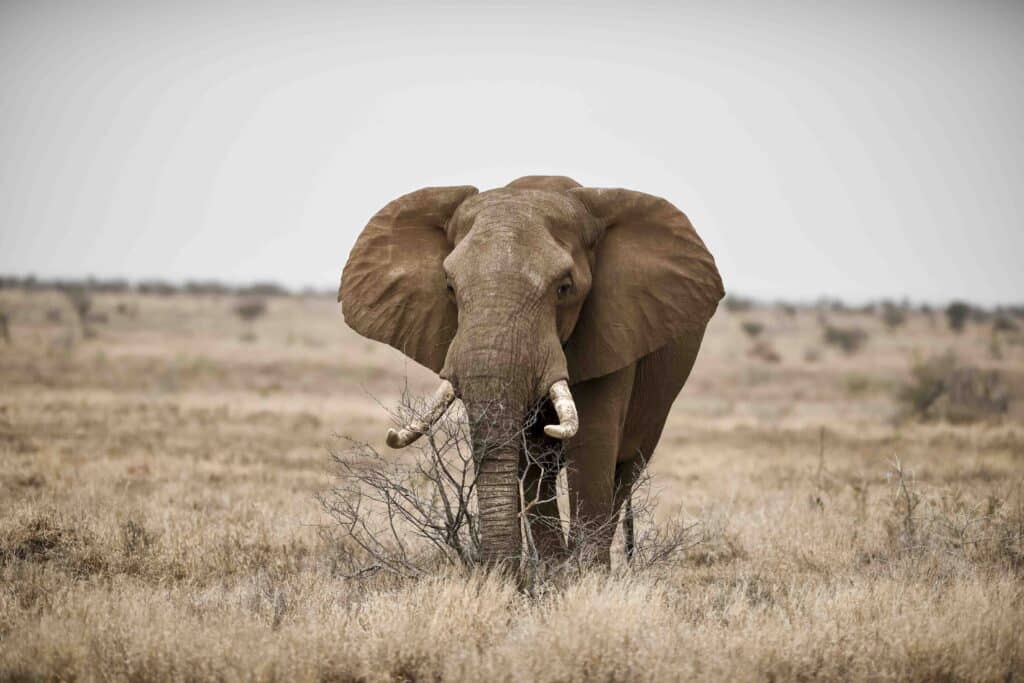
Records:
x=857, y=150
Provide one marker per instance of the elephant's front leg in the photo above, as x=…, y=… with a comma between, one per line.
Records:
x=590, y=460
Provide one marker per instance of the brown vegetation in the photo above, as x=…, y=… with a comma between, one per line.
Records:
x=158, y=517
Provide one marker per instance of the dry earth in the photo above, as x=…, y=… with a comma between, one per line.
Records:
x=158, y=519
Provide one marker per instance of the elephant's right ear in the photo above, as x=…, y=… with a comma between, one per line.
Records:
x=392, y=288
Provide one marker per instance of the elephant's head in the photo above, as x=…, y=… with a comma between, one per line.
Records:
x=513, y=294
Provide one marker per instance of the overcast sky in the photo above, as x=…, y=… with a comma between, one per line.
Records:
x=857, y=150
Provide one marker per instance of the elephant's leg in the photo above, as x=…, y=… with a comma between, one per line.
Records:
x=591, y=457
x=659, y=378
x=626, y=476
x=540, y=495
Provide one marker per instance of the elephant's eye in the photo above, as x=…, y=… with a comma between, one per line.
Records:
x=450, y=288
x=564, y=289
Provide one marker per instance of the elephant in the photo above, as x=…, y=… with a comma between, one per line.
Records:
x=589, y=302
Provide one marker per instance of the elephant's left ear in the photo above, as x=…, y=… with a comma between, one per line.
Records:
x=653, y=281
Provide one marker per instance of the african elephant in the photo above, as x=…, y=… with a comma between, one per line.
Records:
x=589, y=302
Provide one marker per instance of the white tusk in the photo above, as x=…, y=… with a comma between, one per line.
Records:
x=569, y=420
x=439, y=402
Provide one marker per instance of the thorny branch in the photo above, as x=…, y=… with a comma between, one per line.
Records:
x=407, y=512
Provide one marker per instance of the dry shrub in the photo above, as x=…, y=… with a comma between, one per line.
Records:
x=1004, y=323
x=848, y=339
x=957, y=314
x=941, y=388
x=410, y=516
x=752, y=328
x=943, y=521
x=251, y=309
x=893, y=315
x=764, y=351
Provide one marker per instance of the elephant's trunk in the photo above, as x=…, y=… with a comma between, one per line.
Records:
x=501, y=367
x=496, y=420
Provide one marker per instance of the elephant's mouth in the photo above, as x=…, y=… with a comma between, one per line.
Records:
x=559, y=395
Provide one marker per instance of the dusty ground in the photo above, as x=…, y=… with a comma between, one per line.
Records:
x=158, y=520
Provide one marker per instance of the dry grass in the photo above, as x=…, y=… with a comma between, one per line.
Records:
x=158, y=519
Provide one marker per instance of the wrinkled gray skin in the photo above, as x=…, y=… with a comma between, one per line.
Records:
x=508, y=291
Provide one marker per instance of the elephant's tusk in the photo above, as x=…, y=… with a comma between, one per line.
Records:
x=439, y=402
x=569, y=420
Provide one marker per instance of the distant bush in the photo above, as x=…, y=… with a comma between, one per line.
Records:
x=893, y=316
x=956, y=315
x=206, y=287
x=251, y=309
x=157, y=287
x=752, y=328
x=263, y=289
x=764, y=351
x=153, y=286
x=127, y=310
x=5, y=330
x=788, y=310
x=832, y=305
x=942, y=388
x=737, y=304
x=848, y=339
x=1004, y=323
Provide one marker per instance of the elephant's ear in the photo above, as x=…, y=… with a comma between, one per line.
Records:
x=392, y=288
x=653, y=281
x=554, y=183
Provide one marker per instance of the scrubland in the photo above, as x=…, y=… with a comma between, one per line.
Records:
x=159, y=521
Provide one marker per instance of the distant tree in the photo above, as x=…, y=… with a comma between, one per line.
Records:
x=893, y=315
x=5, y=330
x=956, y=315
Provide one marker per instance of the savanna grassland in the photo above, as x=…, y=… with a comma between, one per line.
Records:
x=158, y=517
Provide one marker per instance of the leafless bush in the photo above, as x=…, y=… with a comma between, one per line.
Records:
x=409, y=514
x=942, y=520
x=406, y=515
x=848, y=339
x=942, y=388
x=251, y=309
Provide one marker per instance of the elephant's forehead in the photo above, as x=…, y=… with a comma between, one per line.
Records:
x=531, y=215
